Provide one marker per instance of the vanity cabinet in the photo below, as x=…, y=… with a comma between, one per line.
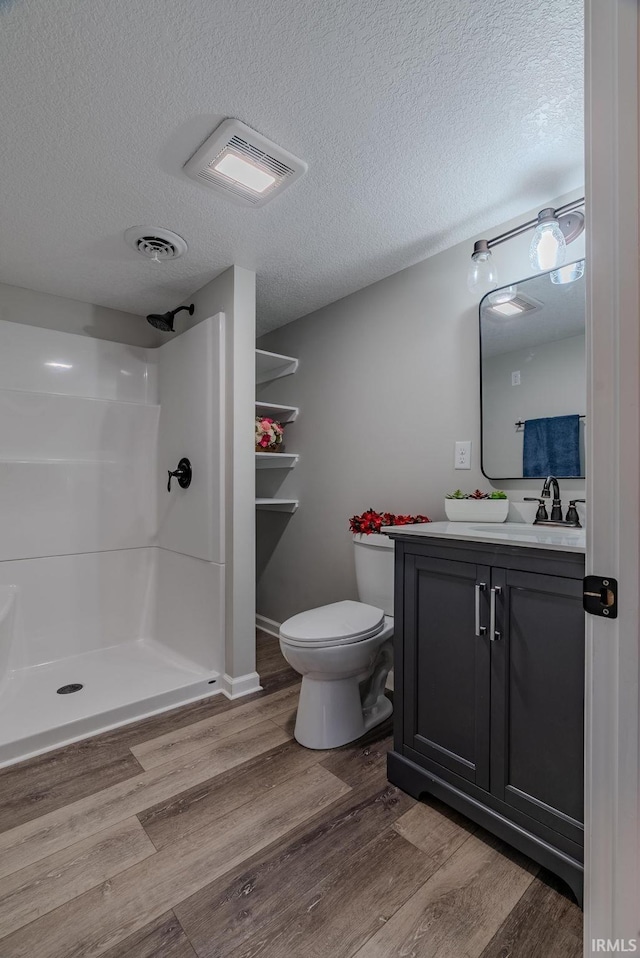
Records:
x=489, y=690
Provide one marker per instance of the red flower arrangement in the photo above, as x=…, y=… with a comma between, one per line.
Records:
x=371, y=521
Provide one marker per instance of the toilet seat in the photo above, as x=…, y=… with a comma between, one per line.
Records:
x=340, y=623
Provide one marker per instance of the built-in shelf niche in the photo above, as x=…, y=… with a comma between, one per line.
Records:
x=276, y=460
x=277, y=505
x=270, y=366
x=278, y=411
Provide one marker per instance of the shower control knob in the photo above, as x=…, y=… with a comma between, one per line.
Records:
x=183, y=474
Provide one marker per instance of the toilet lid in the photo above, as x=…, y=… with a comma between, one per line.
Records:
x=337, y=624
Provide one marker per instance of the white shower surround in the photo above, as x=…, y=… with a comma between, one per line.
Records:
x=105, y=578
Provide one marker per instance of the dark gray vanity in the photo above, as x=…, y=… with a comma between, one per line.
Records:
x=489, y=681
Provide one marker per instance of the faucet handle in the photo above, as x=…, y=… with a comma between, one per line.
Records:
x=541, y=514
x=572, y=513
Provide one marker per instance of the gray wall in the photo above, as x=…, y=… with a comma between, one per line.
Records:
x=388, y=380
x=18, y=305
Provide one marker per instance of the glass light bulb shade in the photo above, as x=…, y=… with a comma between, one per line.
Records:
x=567, y=274
x=504, y=295
x=482, y=275
x=548, y=247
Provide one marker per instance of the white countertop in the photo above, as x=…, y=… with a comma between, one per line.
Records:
x=500, y=533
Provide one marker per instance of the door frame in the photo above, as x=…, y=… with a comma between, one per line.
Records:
x=612, y=766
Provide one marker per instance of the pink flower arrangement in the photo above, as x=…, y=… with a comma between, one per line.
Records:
x=371, y=521
x=269, y=433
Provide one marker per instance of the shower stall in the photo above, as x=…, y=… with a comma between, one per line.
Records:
x=112, y=588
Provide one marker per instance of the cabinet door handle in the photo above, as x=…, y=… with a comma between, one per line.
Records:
x=480, y=629
x=493, y=635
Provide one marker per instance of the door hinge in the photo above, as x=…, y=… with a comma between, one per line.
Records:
x=600, y=596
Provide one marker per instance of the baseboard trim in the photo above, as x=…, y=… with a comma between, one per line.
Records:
x=234, y=688
x=268, y=625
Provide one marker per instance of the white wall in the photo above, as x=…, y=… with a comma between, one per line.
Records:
x=190, y=572
x=78, y=434
x=388, y=381
x=553, y=382
x=233, y=293
x=83, y=474
x=70, y=604
x=191, y=386
x=77, y=462
x=84, y=453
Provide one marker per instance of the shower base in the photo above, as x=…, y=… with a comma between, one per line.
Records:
x=120, y=684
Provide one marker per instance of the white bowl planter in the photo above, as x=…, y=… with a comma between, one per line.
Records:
x=476, y=510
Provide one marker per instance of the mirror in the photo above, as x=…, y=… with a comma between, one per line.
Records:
x=533, y=376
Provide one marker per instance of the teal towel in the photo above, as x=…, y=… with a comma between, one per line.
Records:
x=551, y=447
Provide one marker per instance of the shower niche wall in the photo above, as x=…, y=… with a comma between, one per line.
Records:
x=107, y=581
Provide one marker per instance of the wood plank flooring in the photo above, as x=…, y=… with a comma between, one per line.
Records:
x=208, y=832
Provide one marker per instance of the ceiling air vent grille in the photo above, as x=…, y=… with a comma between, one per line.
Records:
x=252, y=153
x=155, y=242
x=156, y=247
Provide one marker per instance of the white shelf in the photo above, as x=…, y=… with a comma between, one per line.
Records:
x=276, y=460
x=277, y=411
x=271, y=366
x=277, y=505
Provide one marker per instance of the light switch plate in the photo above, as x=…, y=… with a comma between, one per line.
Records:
x=462, y=458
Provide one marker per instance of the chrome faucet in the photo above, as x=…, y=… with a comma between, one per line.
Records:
x=572, y=519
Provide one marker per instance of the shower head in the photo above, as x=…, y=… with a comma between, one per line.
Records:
x=164, y=321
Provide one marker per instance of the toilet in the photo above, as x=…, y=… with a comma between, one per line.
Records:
x=344, y=651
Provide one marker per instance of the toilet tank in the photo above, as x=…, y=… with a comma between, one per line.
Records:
x=374, y=570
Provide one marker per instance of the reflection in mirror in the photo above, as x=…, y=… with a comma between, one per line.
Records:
x=533, y=377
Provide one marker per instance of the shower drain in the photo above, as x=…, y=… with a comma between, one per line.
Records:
x=73, y=687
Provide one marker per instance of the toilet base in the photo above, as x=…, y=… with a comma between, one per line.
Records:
x=330, y=713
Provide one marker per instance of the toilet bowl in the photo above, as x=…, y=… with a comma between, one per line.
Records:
x=344, y=652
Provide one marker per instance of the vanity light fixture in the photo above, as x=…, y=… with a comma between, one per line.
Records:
x=548, y=248
x=482, y=275
x=554, y=229
x=567, y=274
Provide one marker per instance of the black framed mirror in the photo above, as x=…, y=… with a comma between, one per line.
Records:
x=533, y=376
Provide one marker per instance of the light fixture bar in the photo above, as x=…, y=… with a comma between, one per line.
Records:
x=525, y=227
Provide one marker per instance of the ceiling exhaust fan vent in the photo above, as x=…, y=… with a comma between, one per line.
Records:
x=244, y=165
x=155, y=243
x=516, y=306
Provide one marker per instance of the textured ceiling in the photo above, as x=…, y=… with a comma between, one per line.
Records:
x=422, y=124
